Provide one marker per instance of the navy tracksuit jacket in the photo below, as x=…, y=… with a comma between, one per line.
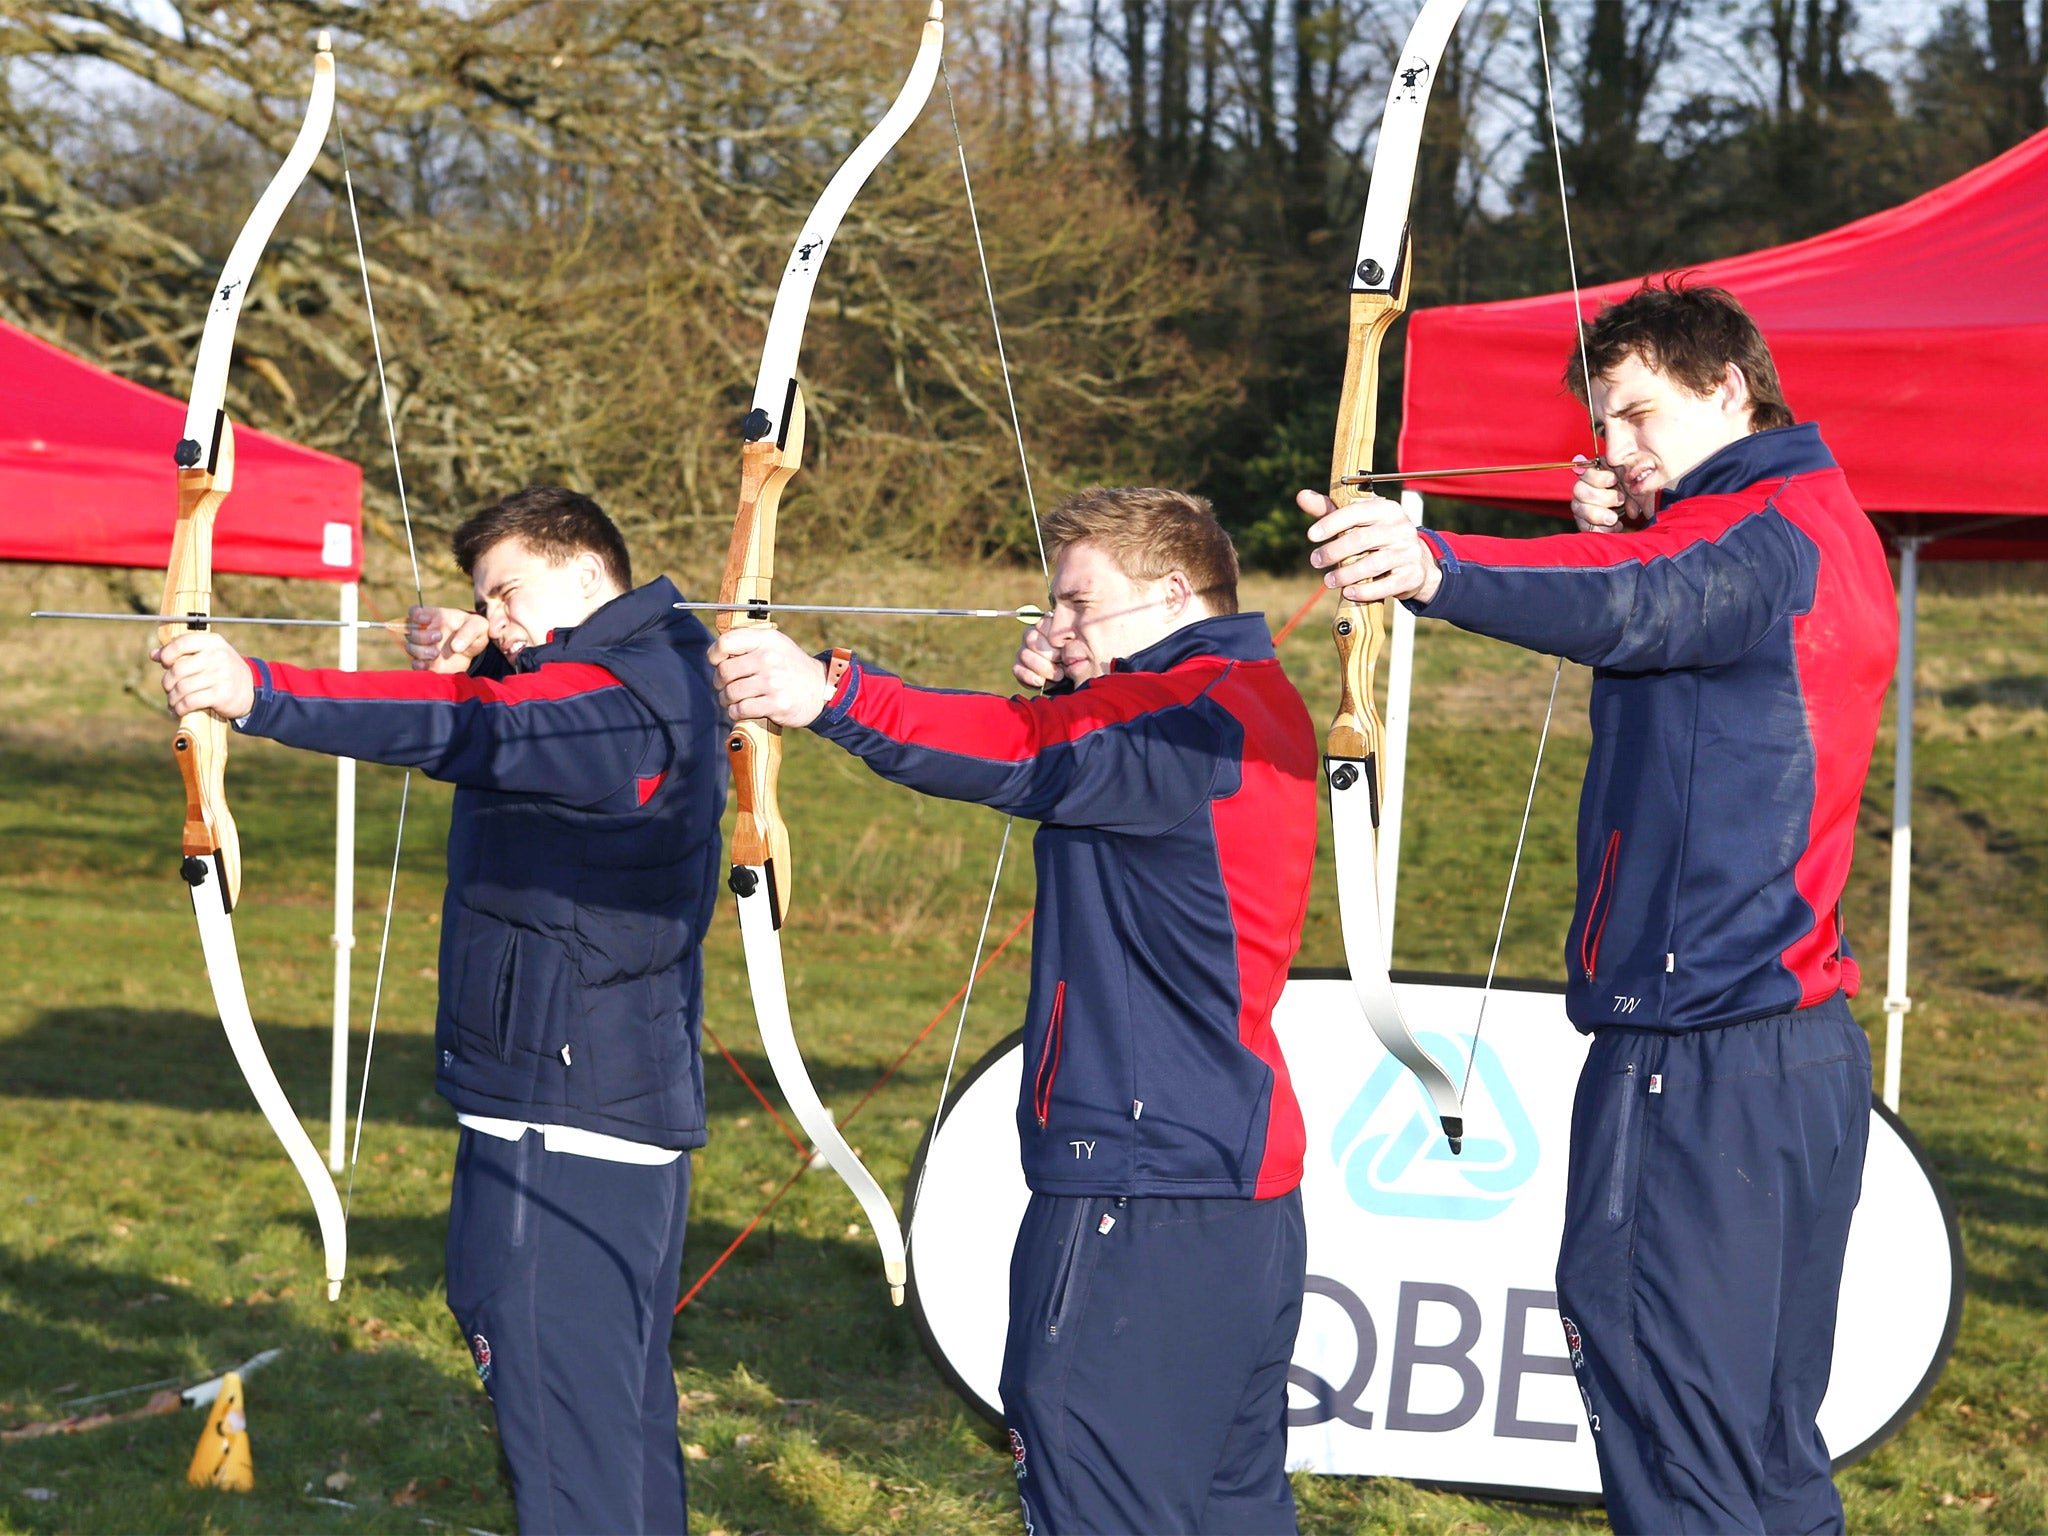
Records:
x=1741, y=646
x=583, y=860
x=1177, y=798
x=1156, y=1284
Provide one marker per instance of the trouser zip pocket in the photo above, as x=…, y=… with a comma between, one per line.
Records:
x=1063, y=1283
x=1618, y=1178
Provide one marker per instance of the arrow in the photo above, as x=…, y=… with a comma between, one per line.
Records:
x=761, y=609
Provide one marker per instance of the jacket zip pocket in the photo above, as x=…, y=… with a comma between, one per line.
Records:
x=1618, y=1177
x=1049, y=1057
x=1598, y=908
x=502, y=999
x=1063, y=1285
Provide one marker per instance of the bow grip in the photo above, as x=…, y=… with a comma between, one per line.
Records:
x=201, y=745
x=760, y=838
x=1355, y=731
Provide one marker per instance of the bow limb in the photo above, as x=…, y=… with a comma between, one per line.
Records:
x=1351, y=752
x=761, y=879
x=211, y=861
x=224, y=971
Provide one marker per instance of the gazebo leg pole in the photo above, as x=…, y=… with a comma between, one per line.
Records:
x=344, y=936
x=1896, y=1001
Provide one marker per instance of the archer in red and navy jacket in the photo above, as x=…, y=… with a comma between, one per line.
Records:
x=583, y=857
x=1741, y=646
x=1176, y=796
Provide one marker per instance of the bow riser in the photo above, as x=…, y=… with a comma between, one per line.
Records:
x=1372, y=315
x=760, y=839
x=201, y=745
x=1360, y=629
x=201, y=751
x=766, y=468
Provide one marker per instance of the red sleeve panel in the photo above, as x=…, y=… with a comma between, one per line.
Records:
x=568, y=730
x=1266, y=850
x=1846, y=647
x=1132, y=752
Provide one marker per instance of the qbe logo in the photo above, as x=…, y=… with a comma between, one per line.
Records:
x=1392, y=1157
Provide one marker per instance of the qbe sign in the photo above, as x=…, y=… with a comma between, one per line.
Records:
x=1430, y=1345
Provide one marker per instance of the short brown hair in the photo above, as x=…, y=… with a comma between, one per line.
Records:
x=1690, y=334
x=556, y=524
x=1151, y=533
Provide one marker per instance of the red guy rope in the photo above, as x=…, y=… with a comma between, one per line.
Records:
x=890, y=1071
x=754, y=1088
x=1299, y=614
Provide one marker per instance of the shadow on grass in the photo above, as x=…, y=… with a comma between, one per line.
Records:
x=2002, y=1206
x=180, y=1060
x=2011, y=690
x=118, y=1327
x=111, y=811
x=802, y=1323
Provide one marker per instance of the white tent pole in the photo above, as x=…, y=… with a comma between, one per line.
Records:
x=1896, y=1001
x=344, y=938
x=1394, y=754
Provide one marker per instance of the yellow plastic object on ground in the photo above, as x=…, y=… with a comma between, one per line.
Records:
x=222, y=1459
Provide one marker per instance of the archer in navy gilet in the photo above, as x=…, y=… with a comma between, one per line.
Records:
x=583, y=857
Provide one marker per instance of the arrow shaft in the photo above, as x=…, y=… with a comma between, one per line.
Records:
x=1456, y=474
x=206, y=621
x=1024, y=615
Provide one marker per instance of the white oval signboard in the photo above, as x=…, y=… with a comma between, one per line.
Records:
x=1430, y=1347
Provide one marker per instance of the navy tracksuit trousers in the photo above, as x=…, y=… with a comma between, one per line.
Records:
x=1145, y=1373
x=1712, y=1178
x=562, y=1271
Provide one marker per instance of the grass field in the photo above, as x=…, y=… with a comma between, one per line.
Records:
x=150, y=1228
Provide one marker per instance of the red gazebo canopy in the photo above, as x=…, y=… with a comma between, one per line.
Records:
x=1917, y=338
x=86, y=478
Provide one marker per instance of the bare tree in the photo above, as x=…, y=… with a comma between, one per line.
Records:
x=577, y=215
x=2018, y=63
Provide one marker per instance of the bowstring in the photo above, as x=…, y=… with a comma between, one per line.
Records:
x=1564, y=208
x=419, y=597
x=996, y=325
x=1045, y=569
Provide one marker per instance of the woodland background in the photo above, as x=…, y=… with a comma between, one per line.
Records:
x=576, y=215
